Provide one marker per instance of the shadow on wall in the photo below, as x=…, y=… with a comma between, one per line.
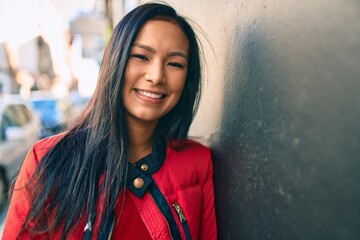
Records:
x=243, y=153
x=286, y=157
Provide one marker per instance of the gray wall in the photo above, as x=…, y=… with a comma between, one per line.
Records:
x=281, y=111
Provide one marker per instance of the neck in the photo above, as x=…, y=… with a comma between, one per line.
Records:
x=140, y=139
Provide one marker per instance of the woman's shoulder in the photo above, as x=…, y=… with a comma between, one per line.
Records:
x=191, y=162
x=42, y=146
x=189, y=146
x=191, y=153
x=34, y=155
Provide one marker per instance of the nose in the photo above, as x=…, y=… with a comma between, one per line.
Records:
x=155, y=73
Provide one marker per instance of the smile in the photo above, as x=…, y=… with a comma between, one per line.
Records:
x=150, y=95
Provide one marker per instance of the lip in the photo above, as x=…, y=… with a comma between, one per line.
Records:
x=150, y=96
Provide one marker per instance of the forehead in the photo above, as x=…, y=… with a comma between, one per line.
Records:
x=161, y=32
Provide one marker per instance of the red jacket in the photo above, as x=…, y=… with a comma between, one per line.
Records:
x=183, y=180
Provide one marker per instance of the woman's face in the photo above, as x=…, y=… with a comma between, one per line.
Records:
x=156, y=71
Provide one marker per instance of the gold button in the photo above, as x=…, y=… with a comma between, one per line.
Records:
x=138, y=182
x=144, y=167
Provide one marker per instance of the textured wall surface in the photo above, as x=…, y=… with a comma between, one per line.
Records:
x=281, y=111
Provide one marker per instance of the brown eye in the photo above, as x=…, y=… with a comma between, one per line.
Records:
x=139, y=56
x=175, y=64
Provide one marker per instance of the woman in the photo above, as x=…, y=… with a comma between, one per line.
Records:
x=125, y=170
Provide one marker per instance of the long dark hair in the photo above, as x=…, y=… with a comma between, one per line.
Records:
x=65, y=185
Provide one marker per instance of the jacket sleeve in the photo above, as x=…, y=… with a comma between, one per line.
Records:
x=20, y=201
x=208, y=224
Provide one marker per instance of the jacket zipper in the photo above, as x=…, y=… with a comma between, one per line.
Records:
x=182, y=220
x=89, y=226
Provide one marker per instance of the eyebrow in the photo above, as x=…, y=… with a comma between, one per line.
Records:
x=152, y=50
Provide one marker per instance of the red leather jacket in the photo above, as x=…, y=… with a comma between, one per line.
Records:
x=183, y=188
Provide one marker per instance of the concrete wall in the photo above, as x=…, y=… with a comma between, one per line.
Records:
x=281, y=111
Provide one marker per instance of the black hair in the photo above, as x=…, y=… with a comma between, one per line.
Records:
x=65, y=185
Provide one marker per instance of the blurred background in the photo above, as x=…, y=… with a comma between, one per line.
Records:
x=50, y=51
x=280, y=107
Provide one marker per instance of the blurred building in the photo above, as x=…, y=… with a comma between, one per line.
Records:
x=26, y=67
x=8, y=83
x=92, y=29
x=89, y=31
x=34, y=56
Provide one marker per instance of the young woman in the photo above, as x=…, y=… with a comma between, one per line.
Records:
x=125, y=170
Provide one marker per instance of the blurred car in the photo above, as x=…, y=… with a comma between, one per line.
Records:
x=54, y=113
x=19, y=129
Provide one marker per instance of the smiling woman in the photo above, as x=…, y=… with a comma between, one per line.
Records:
x=156, y=71
x=125, y=167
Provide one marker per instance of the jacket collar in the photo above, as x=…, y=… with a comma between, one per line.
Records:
x=145, y=167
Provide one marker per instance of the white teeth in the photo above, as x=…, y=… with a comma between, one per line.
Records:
x=150, y=95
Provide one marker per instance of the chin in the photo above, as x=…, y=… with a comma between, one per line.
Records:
x=150, y=118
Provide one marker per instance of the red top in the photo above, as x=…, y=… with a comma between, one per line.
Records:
x=184, y=179
x=130, y=214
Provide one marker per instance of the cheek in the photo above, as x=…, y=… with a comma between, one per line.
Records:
x=125, y=90
x=180, y=87
x=179, y=84
x=178, y=91
x=132, y=70
x=129, y=78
